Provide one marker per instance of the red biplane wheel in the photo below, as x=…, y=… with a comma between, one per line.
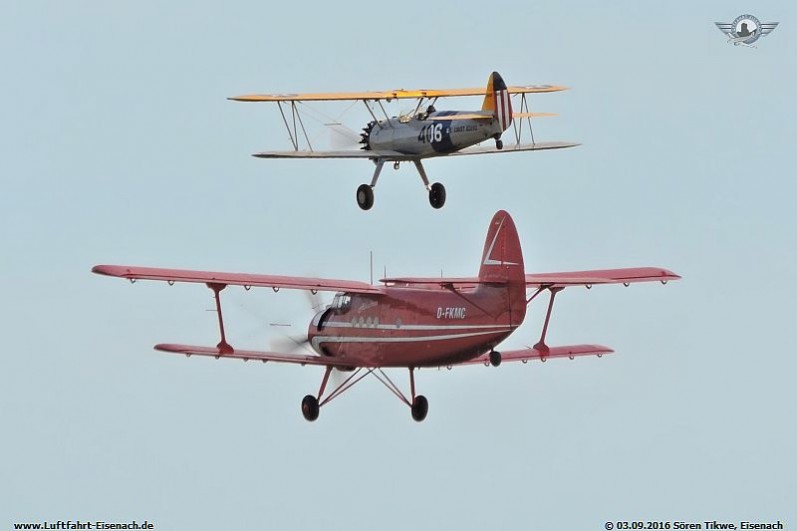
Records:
x=310, y=408
x=365, y=196
x=437, y=195
x=420, y=407
x=499, y=144
x=495, y=358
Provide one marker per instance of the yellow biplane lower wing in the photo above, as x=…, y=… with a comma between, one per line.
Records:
x=395, y=156
x=512, y=148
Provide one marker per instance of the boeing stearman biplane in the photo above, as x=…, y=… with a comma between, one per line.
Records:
x=408, y=322
x=419, y=134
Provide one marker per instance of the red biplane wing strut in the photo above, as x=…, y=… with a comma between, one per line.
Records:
x=556, y=282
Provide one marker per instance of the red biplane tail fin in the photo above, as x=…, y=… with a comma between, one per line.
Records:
x=502, y=258
x=497, y=100
x=502, y=263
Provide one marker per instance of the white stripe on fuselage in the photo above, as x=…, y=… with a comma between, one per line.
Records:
x=339, y=324
x=318, y=340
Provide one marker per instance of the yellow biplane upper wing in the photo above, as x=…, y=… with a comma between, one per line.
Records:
x=398, y=94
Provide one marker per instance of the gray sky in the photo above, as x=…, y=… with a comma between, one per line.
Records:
x=118, y=146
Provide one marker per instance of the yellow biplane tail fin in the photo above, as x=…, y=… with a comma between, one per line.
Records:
x=497, y=100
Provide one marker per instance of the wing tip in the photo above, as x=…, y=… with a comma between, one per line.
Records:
x=108, y=270
x=246, y=98
x=174, y=348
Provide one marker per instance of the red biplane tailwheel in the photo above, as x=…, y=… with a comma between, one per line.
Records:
x=420, y=407
x=310, y=408
x=499, y=144
x=396, y=165
x=365, y=197
x=437, y=195
x=495, y=358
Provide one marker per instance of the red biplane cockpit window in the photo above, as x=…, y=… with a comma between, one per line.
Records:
x=341, y=303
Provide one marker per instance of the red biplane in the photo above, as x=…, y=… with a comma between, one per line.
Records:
x=408, y=322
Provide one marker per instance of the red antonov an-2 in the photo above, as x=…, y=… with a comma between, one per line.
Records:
x=409, y=322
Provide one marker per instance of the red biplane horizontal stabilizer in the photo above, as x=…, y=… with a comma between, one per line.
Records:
x=567, y=351
x=246, y=355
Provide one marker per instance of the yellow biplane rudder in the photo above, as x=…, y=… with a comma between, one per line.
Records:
x=497, y=100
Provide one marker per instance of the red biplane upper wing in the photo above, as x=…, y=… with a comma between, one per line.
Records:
x=547, y=280
x=568, y=351
x=234, y=279
x=246, y=355
x=600, y=276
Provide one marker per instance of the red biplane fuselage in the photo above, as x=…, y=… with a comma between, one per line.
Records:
x=411, y=327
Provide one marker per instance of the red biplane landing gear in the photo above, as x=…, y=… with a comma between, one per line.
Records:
x=311, y=405
x=310, y=408
x=419, y=408
x=495, y=358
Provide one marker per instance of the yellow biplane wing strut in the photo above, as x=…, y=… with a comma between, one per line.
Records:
x=524, y=114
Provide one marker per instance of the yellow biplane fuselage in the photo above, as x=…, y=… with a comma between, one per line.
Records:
x=429, y=134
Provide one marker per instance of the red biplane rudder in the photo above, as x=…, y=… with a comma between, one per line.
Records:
x=502, y=263
x=497, y=100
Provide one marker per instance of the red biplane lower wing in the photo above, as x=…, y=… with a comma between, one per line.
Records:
x=625, y=276
x=246, y=355
x=568, y=351
x=234, y=279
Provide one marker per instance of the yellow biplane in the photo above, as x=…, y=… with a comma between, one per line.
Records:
x=421, y=133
